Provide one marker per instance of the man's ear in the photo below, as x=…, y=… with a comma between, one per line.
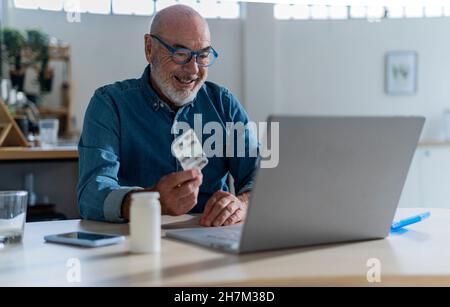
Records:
x=148, y=47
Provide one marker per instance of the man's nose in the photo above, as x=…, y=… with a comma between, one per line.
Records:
x=192, y=66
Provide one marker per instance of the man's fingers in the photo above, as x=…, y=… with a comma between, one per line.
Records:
x=216, y=210
x=180, y=178
x=235, y=218
x=226, y=213
x=187, y=188
x=210, y=204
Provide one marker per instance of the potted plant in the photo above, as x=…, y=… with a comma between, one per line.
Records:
x=38, y=45
x=14, y=42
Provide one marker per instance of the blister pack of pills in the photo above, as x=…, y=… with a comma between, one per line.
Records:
x=188, y=150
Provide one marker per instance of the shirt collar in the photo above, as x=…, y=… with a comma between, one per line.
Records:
x=157, y=102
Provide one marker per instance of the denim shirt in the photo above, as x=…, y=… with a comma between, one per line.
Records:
x=126, y=145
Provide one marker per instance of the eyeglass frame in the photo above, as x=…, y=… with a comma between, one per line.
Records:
x=172, y=50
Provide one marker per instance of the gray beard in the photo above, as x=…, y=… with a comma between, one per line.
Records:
x=169, y=92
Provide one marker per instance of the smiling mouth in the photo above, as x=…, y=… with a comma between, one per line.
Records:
x=185, y=81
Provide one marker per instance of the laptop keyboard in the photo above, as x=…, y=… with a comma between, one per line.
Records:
x=228, y=235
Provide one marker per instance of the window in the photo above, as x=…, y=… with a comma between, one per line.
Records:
x=88, y=6
x=301, y=11
x=133, y=7
x=338, y=12
x=305, y=12
x=319, y=12
x=308, y=10
x=358, y=12
x=208, y=8
x=285, y=12
x=51, y=5
x=434, y=11
x=376, y=12
x=414, y=12
x=395, y=12
x=162, y=4
x=227, y=9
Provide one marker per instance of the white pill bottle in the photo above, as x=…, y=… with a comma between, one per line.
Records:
x=145, y=223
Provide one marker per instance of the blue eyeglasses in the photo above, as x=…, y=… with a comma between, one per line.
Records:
x=182, y=56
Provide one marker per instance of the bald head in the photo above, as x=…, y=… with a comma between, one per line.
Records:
x=178, y=18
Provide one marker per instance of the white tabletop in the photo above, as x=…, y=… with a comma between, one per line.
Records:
x=420, y=256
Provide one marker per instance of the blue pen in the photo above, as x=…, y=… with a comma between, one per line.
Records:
x=409, y=221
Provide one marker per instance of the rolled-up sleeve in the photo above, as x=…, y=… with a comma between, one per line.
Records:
x=243, y=165
x=99, y=193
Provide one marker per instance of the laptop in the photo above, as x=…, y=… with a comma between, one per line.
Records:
x=339, y=179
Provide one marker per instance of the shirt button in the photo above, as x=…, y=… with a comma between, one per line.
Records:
x=161, y=105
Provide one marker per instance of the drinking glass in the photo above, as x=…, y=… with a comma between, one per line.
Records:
x=48, y=131
x=13, y=210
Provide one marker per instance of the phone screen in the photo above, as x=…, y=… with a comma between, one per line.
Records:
x=85, y=236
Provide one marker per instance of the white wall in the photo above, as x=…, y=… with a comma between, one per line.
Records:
x=338, y=68
x=260, y=70
x=109, y=48
x=295, y=67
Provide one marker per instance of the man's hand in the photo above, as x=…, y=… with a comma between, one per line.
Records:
x=224, y=209
x=178, y=193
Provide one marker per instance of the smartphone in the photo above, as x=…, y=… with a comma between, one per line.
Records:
x=85, y=239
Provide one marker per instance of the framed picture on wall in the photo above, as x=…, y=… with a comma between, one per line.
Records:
x=401, y=73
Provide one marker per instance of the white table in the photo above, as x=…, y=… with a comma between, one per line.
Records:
x=419, y=257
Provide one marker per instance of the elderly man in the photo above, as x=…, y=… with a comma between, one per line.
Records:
x=125, y=147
